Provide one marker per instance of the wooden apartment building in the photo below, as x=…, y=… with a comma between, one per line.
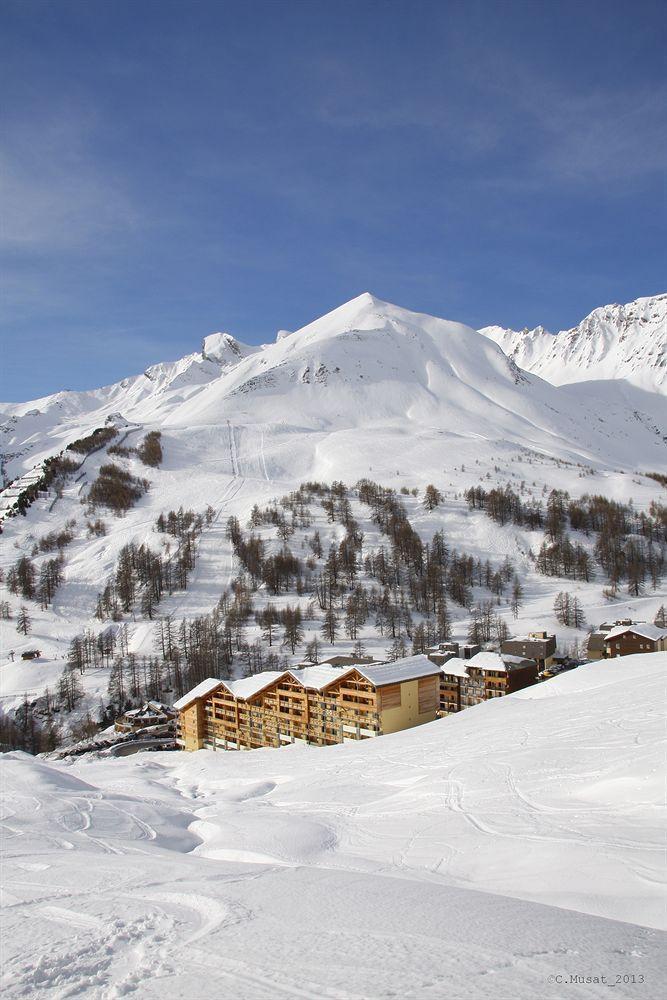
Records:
x=623, y=640
x=464, y=683
x=319, y=705
x=624, y=637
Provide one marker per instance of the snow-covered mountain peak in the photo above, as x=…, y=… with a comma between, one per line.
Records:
x=225, y=349
x=613, y=342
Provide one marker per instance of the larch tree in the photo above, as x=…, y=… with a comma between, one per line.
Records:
x=23, y=621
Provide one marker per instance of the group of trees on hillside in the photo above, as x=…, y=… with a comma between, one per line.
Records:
x=629, y=545
x=143, y=576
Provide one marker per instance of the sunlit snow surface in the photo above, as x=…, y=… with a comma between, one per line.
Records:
x=474, y=857
x=370, y=389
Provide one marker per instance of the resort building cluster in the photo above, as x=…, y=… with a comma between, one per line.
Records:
x=345, y=699
x=328, y=704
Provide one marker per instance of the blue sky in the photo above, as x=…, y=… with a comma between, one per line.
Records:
x=171, y=169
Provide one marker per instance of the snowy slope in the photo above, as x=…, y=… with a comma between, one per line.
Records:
x=370, y=389
x=613, y=342
x=365, y=366
x=483, y=855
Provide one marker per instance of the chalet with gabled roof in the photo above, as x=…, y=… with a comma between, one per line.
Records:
x=317, y=705
x=623, y=640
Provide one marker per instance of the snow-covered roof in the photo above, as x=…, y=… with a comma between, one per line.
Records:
x=647, y=631
x=199, y=691
x=246, y=687
x=455, y=666
x=486, y=660
x=407, y=669
x=317, y=677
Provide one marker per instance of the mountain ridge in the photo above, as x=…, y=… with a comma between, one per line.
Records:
x=618, y=341
x=366, y=364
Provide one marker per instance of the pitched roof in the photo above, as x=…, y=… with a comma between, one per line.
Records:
x=317, y=677
x=407, y=669
x=200, y=691
x=246, y=687
x=486, y=660
x=647, y=631
x=456, y=666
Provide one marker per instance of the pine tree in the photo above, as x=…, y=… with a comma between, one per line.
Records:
x=562, y=608
x=117, y=684
x=578, y=617
x=517, y=597
x=70, y=691
x=75, y=654
x=312, y=652
x=661, y=617
x=419, y=639
x=330, y=626
x=432, y=497
x=293, y=629
x=397, y=650
x=444, y=624
x=500, y=630
x=23, y=621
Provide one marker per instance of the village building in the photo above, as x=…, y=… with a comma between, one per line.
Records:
x=319, y=705
x=595, y=645
x=345, y=660
x=151, y=714
x=452, y=673
x=623, y=640
x=623, y=637
x=438, y=656
x=492, y=675
x=538, y=646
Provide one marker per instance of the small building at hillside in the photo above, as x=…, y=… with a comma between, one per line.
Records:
x=538, y=646
x=623, y=640
x=152, y=713
x=31, y=654
x=319, y=705
x=345, y=660
x=623, y=637
x=437, y=657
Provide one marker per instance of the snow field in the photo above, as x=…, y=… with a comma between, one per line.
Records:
x=474, y=857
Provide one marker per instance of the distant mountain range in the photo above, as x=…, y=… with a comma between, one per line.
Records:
x=613, y=342
x=370, y=378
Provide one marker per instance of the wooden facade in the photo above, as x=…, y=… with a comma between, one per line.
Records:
x=638, y=639
x=464, y=683
x=349, y=706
